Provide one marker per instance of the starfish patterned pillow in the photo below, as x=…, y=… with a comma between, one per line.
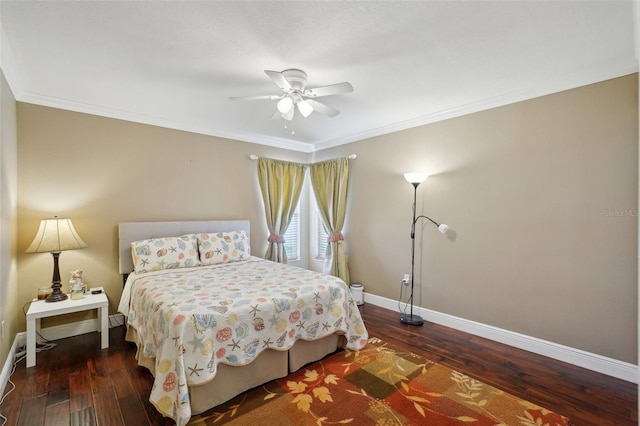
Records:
x=165, y=253
x=223, y=247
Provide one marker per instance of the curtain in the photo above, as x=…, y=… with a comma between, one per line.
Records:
x=330, y=181
x=280, y=185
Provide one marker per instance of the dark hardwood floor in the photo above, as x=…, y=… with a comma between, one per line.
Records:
x=77, y=383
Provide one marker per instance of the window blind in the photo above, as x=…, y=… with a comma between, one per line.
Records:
x=321, y=239
x=292, y=237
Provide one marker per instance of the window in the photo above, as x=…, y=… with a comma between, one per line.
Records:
x=321, y=238
x=292, y=237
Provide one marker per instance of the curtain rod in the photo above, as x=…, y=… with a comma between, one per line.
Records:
x=254, y=157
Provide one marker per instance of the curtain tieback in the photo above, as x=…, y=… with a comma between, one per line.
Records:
x=274, y=238
x=336, y=236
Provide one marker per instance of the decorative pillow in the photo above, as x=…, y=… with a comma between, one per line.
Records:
x=223, y=247
x=165, y=253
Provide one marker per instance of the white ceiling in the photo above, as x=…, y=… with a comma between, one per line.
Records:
x=174, y=64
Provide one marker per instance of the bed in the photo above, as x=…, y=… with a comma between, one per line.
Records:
x=210, y=321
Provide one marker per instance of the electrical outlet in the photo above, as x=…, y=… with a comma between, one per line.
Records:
x=405, y=280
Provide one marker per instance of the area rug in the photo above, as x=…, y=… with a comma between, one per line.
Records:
x=378, y=385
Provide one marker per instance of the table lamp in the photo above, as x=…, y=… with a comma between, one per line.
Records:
x=54, y=236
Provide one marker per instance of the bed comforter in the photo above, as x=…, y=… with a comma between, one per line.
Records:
x=192, y=319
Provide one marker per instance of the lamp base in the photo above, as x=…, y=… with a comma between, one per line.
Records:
x=411, y=320
x=56, y=295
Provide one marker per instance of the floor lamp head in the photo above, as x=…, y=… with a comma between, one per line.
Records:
x=415, y=178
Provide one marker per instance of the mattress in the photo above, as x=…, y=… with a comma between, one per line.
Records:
x=193, y=323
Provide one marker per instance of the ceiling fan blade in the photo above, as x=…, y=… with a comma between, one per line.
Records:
x=332, y=89
x=279, y=79
x=322, y=108
x=254, y=98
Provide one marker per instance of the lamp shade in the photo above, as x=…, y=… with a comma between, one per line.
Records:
x=289, y=115
x=56, y=235
x=285, y=104
x=305, y=108
x=415, y=177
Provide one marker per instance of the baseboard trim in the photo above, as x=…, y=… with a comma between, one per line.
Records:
x=72, y=329
x=8, y=365
x=54, y=333
x=601, y=364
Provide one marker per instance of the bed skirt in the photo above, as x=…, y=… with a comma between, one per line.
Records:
x=231, y=381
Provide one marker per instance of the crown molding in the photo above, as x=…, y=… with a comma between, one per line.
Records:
x=97, y=110
x=539, y=90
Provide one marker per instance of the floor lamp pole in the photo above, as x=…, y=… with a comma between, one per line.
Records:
x=413, y=319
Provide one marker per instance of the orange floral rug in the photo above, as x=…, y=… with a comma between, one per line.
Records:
x=379, y=385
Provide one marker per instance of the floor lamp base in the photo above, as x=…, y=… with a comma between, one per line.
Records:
x=412, y=319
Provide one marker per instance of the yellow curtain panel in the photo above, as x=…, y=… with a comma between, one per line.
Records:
x=280, y=185
x=330, y=181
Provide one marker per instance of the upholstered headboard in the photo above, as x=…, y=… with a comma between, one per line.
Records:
x=129, y=232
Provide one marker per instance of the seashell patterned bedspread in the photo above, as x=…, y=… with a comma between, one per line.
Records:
x=192, y=319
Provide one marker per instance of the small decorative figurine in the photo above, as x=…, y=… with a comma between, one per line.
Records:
x=75, y=283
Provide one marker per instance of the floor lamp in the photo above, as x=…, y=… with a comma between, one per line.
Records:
x=416, y=179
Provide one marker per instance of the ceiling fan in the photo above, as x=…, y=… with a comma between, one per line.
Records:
x=293, y=83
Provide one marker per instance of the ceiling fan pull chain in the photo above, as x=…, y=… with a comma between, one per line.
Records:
x=286, y=126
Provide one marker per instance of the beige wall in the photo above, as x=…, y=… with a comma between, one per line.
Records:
x=100, y=172
x=531, y=192
x=541, y=197
x=8, y=217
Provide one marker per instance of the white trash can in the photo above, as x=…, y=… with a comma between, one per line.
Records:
x=357, y=291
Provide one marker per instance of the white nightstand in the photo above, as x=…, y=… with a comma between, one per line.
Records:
x=40, y=309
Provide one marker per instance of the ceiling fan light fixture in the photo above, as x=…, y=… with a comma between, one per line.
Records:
x=305, y=108
x=293, y=83
x=285, y=105
x=289, y=114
